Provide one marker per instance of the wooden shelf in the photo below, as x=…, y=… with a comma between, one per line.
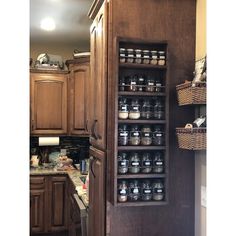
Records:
x=144, y=94
x=128, y=121
x=138, y=148
x=141, y=176
x=142, y=203
x=141, y=66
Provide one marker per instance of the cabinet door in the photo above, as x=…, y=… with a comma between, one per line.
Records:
x=96, y=193
x=99, y=77
x=79, y=104
x=58, y=200
x=48, y=103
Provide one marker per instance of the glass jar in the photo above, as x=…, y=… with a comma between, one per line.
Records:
x=150, y=85
x=130, y=55
x=132, y=83
x=146, y=190
x=134, y=190
x=161, y=58
x=138, y=56
x=123, y=109
x=122, y=55
x=146, y=57
x=123, y=163
x=141, y=83
x=157, y=190
x=146, y=135
x=158, y=85
x=134, y=163
x=158, y=136
x=123, y=135
x=134, y=109
x=134, y=138
x=122, y=84
x=122, y=193
x=146, y=163
x=158, y=163
x=158, y=110
x=146, y=110
x=153, y=57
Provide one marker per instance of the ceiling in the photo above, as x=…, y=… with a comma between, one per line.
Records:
x=72, y=22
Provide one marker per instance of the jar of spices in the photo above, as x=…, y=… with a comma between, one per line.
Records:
x=150, y=85
x=123, y=163
x=134, y=109
x=134, y=133
x=146, y=109
x=141, y=83
x=161, y=58
x=146, y=163
x=153, y=57
x=146, y=135
x=134, y=190
x=146, y=190
x=123, y=135
x=157, y=190
x=138, y=56
x=158, y=110
x=123, y=109
x=122, y=84
x=158, y=136
x=158, y=85
x=158, y=163
x=146, y=57
x=130, y=55
x=122, y=55
x=132, y=83
x=122, y=194
x=134, y=163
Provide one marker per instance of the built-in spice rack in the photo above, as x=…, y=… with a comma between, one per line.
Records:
x=141, y=156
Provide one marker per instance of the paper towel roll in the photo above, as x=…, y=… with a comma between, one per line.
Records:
x=48, y=141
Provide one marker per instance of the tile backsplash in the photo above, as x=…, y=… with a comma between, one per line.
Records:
x=77, y=148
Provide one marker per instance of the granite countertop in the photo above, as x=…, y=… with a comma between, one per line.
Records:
x=74, y=175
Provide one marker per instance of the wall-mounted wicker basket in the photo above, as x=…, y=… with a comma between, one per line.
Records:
x=191, y=95
x=191, y=138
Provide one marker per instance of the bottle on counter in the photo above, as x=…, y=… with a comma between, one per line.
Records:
x=122, y=194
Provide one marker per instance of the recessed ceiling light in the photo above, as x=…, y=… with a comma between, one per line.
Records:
x=48, y=24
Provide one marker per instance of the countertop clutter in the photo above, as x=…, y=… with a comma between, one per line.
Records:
x=74, y=175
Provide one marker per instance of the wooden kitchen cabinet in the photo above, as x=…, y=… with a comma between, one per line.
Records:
x=79, y=111
x=48, y=102
x=96, y=193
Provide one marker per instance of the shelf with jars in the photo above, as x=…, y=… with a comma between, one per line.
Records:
x=141, y=157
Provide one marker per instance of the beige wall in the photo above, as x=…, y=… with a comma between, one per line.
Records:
x=200, y=156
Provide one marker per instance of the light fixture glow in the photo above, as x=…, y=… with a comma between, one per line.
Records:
x=48, y=24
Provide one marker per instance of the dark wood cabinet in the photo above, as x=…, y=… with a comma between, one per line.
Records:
x=79, y=96
x=96, y=193
x=48, y=102
x=98, y=47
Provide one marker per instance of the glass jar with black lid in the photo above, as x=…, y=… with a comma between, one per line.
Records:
x=146, y=135
x=158, y=85
x=122, y=55
x=130, y=55
x=146, y=109
x=138, y=56
x=158, y=135
x=146, y=190
x=158, y=162
x=161, y=58
x=123, y=109
x=135, y=135
x=134, y=163
x=141, y=83
x=122, y=83
x=146, y=163
x=134, y=190
x=132, y=83
x=146, y=56
x=122, y=191
x=134, y=109
x=158, y=109
x=123, y=135
x=158, y=190
x=123, y=163
x=153, y=57
x=150, y=85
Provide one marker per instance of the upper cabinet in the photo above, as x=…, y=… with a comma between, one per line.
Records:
x=78, y=96
x=48, y=102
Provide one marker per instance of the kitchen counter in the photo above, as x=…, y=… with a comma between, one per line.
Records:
x=74, y=175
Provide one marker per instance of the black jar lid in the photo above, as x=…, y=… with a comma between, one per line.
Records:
x=157, y=128
x=123, y=127
x=123, y=155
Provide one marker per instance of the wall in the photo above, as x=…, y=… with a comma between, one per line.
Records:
x=200, y=157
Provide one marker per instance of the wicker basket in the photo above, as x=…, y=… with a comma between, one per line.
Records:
x=191, y=95
x=191, y=138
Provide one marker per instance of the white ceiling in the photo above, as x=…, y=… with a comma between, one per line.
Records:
x=72, y=22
